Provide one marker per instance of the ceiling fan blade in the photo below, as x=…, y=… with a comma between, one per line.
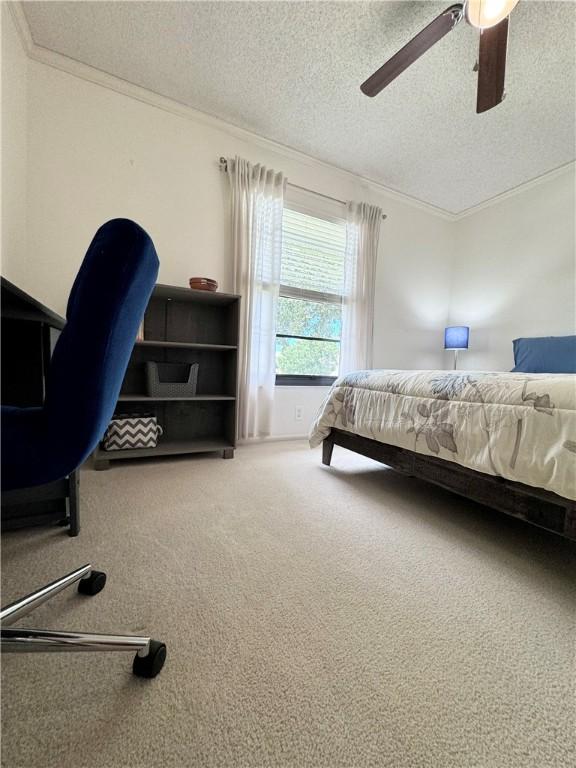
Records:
x=413, y=50
x=492, y=66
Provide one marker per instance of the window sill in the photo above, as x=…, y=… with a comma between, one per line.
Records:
x=283, y=380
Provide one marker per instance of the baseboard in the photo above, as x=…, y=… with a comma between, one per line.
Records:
x=273, y=439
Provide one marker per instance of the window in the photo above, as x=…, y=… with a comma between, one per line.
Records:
x=309, y=319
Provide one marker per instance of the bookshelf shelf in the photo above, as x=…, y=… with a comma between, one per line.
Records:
x=186, y=345
x=172, y=448
x=148, y=399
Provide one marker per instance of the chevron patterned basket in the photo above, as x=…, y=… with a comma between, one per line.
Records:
x=128, y=432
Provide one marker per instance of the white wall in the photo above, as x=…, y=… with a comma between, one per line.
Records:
x=14, y=152
x=412, y=290
x=514, y=271
x=289, y=402
x=95, y=154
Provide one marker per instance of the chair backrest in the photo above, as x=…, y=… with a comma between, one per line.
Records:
x=105, y=309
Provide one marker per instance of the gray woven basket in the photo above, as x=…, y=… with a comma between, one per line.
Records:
x=175, y=381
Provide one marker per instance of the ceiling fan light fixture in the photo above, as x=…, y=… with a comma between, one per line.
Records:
x=487, y=13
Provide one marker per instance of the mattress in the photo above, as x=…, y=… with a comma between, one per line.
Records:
x=513, y=425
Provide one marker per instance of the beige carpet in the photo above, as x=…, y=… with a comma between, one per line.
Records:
x=314, y=618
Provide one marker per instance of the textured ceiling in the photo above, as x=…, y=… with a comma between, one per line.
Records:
x=290, y=71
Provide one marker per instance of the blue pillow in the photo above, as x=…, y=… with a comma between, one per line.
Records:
x=545, y=354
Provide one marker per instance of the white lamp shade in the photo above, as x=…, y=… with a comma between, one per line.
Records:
x=488, y=13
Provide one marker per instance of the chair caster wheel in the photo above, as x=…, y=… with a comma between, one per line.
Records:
x=92, y=584
x=151, y=664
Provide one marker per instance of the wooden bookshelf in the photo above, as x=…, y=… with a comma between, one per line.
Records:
x=183, y=326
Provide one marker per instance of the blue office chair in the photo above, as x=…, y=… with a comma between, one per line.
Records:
x=41, y=445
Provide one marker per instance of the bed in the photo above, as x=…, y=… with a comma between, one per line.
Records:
x=507, y=440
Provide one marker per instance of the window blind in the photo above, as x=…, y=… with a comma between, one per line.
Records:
x=312, y=253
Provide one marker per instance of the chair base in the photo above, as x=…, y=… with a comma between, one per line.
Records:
x=150, y=654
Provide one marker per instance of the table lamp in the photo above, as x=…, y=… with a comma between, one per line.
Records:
x=456, y=337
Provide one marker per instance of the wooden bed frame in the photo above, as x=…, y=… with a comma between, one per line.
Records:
x=543, y=508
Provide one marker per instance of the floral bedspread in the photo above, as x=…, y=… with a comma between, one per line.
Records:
x=514, y=425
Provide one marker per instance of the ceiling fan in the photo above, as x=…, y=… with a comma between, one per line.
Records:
x=490, y=17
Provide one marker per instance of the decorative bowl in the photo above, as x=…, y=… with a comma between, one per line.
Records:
x=203, y=284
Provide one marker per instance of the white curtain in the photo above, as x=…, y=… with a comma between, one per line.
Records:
x=257, y=204
x=362, y=235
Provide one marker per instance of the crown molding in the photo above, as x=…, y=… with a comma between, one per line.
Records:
x=124, y=87
x=111, y=82
x=562, y=170
x=22, y=26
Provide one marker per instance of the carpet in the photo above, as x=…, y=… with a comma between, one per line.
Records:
x=315, y=617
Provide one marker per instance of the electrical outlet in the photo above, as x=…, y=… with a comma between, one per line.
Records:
x=298, y=414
